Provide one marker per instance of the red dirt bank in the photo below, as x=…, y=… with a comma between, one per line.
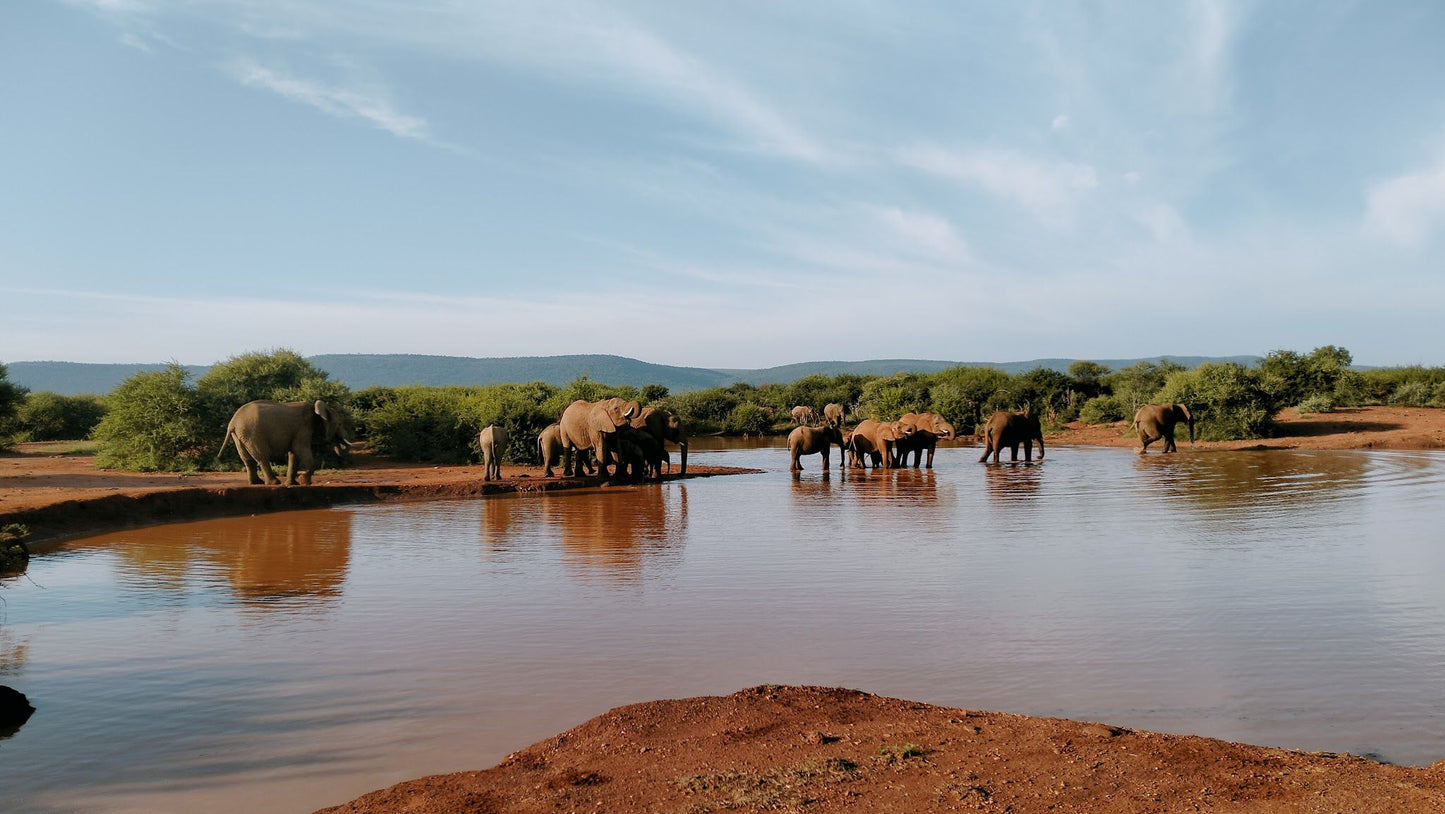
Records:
x=823, y=750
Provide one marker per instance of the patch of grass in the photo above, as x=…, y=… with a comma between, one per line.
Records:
x=779, y=788
x=892, y=755
x=80, y=447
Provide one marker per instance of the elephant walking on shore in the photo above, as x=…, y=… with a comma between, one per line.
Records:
x=266, y=431
x=802, y=414
x=1155, y=421
x=1006, y=429
x=493, y=442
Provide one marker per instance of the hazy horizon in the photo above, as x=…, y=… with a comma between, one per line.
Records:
x=737, y=187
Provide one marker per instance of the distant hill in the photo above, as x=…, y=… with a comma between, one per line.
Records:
x=75, y=378
x=369, y=370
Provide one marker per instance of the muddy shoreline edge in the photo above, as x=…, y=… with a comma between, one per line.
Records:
x=52, y=525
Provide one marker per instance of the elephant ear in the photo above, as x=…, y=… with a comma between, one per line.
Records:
x=1184, y=411
x=322, y=409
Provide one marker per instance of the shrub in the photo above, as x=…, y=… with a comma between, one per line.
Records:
x=1413, y=394
x=967, y=396
x=425, y=424
x=1322, y=403
x=154, y=422
x=1136, y=385
x=1102, y=410
x=47, y=416
x=11, y=396
x=749, y=419
x=888, y=398
x=1228, y=401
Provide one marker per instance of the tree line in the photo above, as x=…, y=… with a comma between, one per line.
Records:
x=164, y=420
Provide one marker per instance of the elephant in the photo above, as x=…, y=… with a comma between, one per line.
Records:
x=493, y=442
x=1155, y=421
x=267, y=430
x=833, y=414
x=664, y=426
x=877, y=439
x=550, y=448
x=1006, y=429
x=802, y=414
x=929, y=429
x=811, y=441
x=651, y=453
x=593, y=426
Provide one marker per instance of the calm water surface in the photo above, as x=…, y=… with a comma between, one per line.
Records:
x=290, y=661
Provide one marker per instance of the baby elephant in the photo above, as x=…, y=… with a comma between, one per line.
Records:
x=812, y=441
x=493, y=441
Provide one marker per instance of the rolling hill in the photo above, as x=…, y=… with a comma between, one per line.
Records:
x=369, y=370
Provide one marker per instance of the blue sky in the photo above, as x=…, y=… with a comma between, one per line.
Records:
x=731, y=184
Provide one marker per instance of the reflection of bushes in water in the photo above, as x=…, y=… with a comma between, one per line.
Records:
x=14, y=554
x=302, y=554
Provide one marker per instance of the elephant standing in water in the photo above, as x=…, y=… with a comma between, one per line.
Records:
x=493, y=442
x=266, y=431
x=811, y=441
x=1006, y=429
x=929, y=429
x=593, y=426
x=876, y=440
x=1155, y=421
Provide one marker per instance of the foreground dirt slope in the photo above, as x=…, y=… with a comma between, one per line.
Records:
x=815, y=749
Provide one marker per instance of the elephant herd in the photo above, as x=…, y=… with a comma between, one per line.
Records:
x=612, y=432
x=887, y=444
x=593, y=436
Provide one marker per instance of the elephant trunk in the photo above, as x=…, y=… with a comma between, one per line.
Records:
x=1191, y=432
x=1041, y=448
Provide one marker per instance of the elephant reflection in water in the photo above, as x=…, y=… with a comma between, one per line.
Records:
x=291, y=554
x=1228, y=482
x=616, y=532
x=1008, y=484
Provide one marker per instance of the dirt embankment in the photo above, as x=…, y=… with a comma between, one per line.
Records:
x=60, y=496
x=823, y=750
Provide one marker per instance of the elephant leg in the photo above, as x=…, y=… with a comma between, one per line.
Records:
x=300, y=464
x=1028, y=450
x=250, y=461
x=1013, y=452
x=271, y=479
x=827, y=453
x=987, y=448
x=1169, y=445
x=930, y=457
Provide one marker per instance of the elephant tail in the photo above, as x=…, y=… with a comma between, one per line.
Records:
x=230, y=433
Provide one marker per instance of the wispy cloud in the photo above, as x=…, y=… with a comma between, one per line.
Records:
x=1407, y=209
x=370, y=104
x=1049, y=189
x=1211, y=22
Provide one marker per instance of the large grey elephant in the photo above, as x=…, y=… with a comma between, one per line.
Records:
x=267, y=431
x=1006, y=429
x=593, y=426
x=664, y=426
x=493, y=442
x=929, y=429
x=812, y=441
x=1155, y=421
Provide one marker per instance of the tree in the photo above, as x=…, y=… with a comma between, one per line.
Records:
x=47, y=416
x=11, y=395
x=155, y=423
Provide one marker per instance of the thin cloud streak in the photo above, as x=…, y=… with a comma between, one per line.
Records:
x=1049, y=189
x=370, y=106
x=1409, y=208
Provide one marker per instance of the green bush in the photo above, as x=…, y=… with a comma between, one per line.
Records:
x=1414, y=393
x=425, y=424
x=11, y=396
x=47, y=416
x=154, y=422
x=1136, y=385
x=967, y=396
x=1102, y=410
x=1322, y=403
x=1228, y=401
x=748, y=419
x=889, y=397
